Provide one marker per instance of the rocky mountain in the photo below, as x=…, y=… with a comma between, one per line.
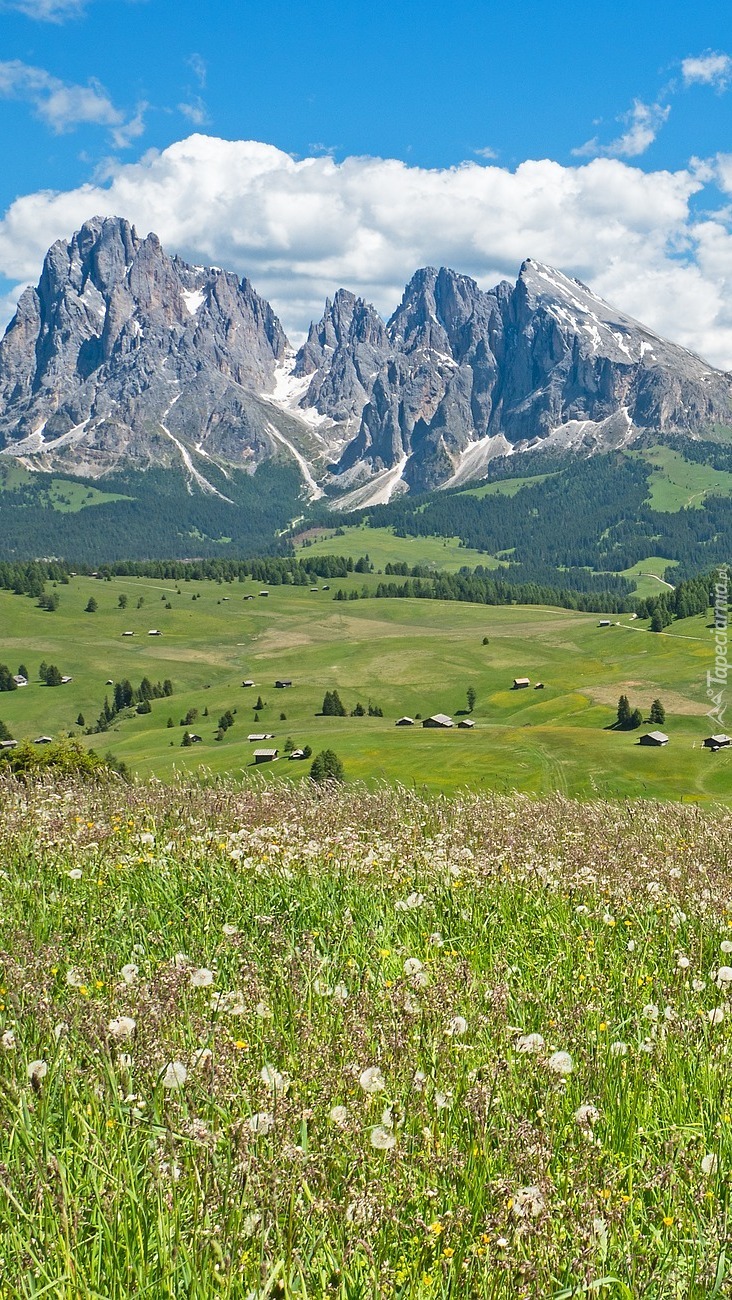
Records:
x=124, y=355
x=471, y=374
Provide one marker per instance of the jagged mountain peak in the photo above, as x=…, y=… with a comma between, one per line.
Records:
x=125, y=353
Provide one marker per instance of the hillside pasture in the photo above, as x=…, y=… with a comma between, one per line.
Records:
x=405, y=656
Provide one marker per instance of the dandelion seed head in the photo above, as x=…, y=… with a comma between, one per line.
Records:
x=8, y=1040
x=338, y=1115
x=709, y=1164
x=261, y=1123
x=130, y=972
x=383, y=1139
x=560, y=1063
x=530, y=1044
x=201, y=978
x=121, y=1028
x=372, y=1080
x=715, y=1016
x=174, y=1075
x=527, y=1203
x=457, y=1027
x=36, y=1071
x=412, y=966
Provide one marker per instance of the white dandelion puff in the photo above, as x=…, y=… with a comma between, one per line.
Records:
x=530, y=1044
x=726, y=946
x=698, y=985
x=36, y=1071
x=75, y=874
x=412, y=966
x=715, y=1016
x=650, y=1012
x=723, y=976
x=682, y=963
x=456, y=1027
x=527, y=1203
x=130, y=972
x=261, y=1123
x=201, y=978
x=174, y=1075
x=74, y=978
x=586, y=1116
x=121, y=1028
x=338, y=1115
x=383, y=1139
x=372, y=1080
x=709, y=1164
x=202, y=1058
x=8, y=1040
x=560, y=1063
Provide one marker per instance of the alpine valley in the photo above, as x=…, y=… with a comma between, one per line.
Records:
x=127, y=361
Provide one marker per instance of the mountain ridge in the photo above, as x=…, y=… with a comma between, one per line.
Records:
x=125, y=355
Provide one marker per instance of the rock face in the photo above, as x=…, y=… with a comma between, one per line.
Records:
x=124, y=355
x=473, y=374
x=121, y=350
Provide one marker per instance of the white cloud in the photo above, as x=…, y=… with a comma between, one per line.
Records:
x=710, y=69
x=53, y=11
x=300, y=228
x=195, y=110
x=642, y=122
x=64, y=106
x=199, y=68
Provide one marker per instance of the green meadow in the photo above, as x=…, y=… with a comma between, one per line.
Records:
x=383, y=547
x=407, y=657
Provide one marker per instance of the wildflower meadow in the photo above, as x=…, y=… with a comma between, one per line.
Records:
x=275, y=1041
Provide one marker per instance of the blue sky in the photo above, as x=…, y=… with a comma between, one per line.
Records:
x=595, y=137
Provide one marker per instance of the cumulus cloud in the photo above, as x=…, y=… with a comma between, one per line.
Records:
x=301, y=228
x=64, y=106
x=711, y=69
x=642, y=124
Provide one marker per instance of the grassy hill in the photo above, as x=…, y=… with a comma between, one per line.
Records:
x=406, y=656
x=286, y=1043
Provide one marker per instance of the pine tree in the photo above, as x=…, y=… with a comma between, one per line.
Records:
x=658, y=713
x=326, y=766
x=471, y=698
x=91, y=606
x=636, y=720
x=80, y=720
x=657, y=621
x=623, y=711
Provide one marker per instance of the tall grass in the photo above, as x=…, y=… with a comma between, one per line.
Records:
x=283, y=1043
